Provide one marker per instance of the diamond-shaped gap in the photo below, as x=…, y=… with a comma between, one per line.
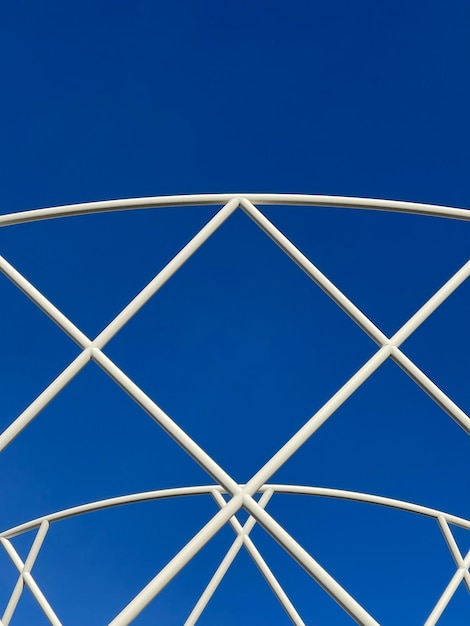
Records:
x=392, y=562
x=239, y=346
x=441, y=346
x=389, y=438
x=92, y=266
x=96, y=563
x=28, y=611
x=91, y=442
x=33, y=351
x=388, y=264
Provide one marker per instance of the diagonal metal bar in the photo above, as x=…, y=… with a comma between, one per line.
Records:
x=448, y=593
x=431, y=305
x=313, y=272
x=44, y=304
x=159, y=416
x=166, y=273
x=26, y=577
x=453, y=548
x=258, y=559
x=214, y=582
x=46, y=396
x=273, y=582
x=225, y=563
x=432, y=390
x=317, y=420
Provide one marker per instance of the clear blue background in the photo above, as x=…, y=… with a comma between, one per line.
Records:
x=117, y=99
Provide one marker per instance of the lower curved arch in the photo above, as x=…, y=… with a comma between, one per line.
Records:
x=179, y=492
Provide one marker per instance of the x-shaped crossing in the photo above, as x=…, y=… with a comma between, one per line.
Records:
x=25, y=577
x=241, y=495
x=462, y=573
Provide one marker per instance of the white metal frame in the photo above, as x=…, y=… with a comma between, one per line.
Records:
x=239, y=496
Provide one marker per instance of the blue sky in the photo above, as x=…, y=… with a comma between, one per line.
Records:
x=115, y=99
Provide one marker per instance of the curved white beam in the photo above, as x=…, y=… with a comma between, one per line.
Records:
x=257, y=198
x=207, y=490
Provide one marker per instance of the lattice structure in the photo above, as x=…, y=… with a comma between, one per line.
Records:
x=238, y=495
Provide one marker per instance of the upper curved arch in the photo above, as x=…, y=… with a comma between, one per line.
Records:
x=153, y=202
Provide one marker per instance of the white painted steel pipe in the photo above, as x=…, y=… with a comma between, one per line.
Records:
x=163, y=420
x=155, y=202
x=166, y=273
x=44, y=398
x=214, y=582
x=203, y=490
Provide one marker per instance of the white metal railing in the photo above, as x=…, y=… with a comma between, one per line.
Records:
x=240, y=496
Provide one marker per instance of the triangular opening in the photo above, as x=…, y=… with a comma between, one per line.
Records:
x=176, y=601
x=388, y=438
x=239, y=340
x=33, y=352
x=462, y=538
x=311, y=602
x=441, y=346
x=372, y=255
x=23, y=543
x=243, y=597
x=103, y=259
